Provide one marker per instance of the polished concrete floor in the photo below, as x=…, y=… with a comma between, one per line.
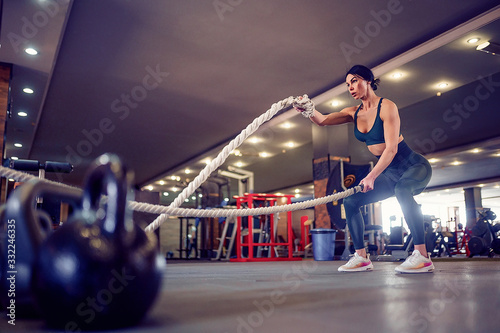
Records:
x=462, y=295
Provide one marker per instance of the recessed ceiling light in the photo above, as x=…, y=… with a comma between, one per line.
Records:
x=481, y=185
x=166, y=194
x=22, y=114
x=187, y=171
x=456, y=163
x=442, y=85
x=18, y=145
x=28, y=90
x=335, y=103
x=473, y=40
x=161, y=182
x=290, y=144
x=263, y=154
x=433, y=160
x=31, y=51
x=476, y=150
x=175, y=189
x=286, y=125
x=254, y=140
x=149, y=188
x=297, y=190
x=239, y=164
x=397, y=75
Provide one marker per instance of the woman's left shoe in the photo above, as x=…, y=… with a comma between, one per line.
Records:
x=416, y=263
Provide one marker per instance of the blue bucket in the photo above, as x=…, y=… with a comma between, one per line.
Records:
x=323, y=243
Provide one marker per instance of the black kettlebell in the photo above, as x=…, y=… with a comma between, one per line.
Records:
x=99, y=270
x=22, y=230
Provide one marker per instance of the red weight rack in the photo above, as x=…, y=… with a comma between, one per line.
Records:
x=254, y=200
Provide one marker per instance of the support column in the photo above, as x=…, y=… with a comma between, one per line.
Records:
x=472, y=204
x=329, y=144
x=5, y=73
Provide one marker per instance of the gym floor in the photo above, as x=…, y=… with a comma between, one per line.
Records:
x=462, y=295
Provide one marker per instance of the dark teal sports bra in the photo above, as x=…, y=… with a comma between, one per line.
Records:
x=376, y=134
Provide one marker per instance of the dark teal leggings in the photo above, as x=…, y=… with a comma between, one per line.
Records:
x=406, y=176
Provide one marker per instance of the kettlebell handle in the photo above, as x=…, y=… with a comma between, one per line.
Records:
x=108, y=176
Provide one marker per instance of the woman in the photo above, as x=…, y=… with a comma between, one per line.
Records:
x=399, y=170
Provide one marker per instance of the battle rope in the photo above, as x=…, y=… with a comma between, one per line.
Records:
x=158, y=209
x=304, y=104
x=190, y=212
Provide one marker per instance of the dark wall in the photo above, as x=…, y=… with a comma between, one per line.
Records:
x=291, y=168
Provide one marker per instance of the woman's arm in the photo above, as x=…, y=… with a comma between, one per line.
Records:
x=334, y=118
x=390, y=116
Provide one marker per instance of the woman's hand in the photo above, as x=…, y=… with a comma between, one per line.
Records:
x=368, y=183
x=304, y=105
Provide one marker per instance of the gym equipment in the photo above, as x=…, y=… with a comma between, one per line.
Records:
x=343, y=176
x=484, y=240
x=23, y=229
x=50, y=205
x=397, y=252
x=268, y=200
x=48, y=166
x=99, y=270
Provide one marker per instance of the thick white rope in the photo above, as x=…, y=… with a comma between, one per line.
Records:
x=303, y=103
x=22, y=177
x=190, y=212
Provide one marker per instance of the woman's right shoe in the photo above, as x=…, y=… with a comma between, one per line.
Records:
x=357, y=264
x=416, y=263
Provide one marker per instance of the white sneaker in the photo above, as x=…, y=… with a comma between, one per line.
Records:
x=416, y=263
x=357, y=264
